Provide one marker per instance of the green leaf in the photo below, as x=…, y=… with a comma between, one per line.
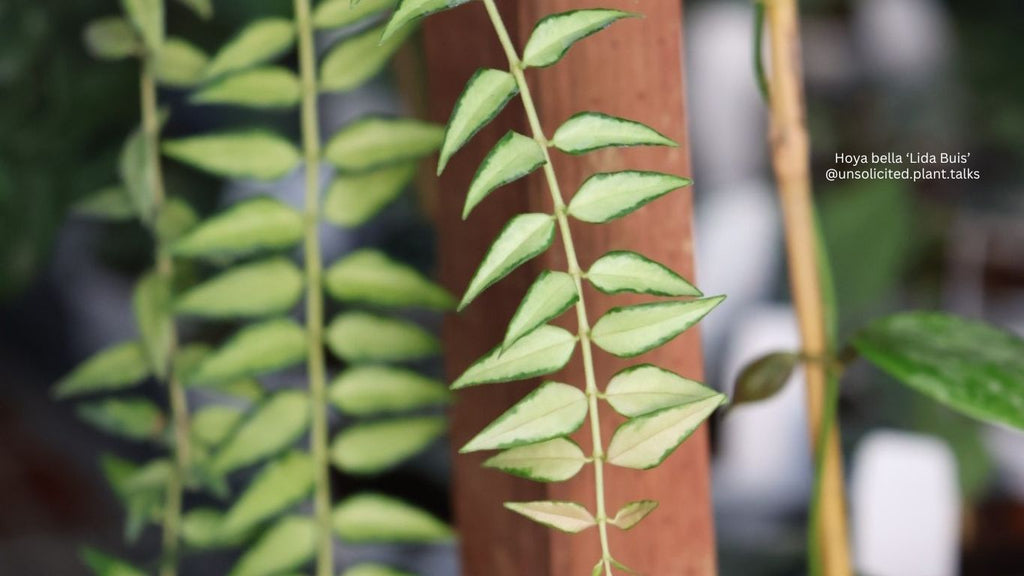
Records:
x=513, y=157
x=554, y=35
x=632, y=513
x=201, y=528
x=374, y=570
x=273, y=426
x=644, y=442
x=338, y=13
x=136, y=172
x=972, y=367
x=141, y=506
x=376, y=142
x=264, y=87
x=286, y=546
x=188, y=359
x=555, y=460
x=111, y=38
x=370, y=277
x=279, y=486
x=103, y=565
x=632, y=330
x=643, y=389
x=764, y=377
x=485, y=95
x=256, y=349
x=110, y=203
x=550, y=295
x=524, y=237
x=543, y=351
x=363, y=337
x=255, y=154
x=175, y=219
x=375, y=447
x=209, y=426
x=116, y=367
x=551, y=411
x=132, y=418
x=353, y=199
x=247, y=227
x=563, y=516
x=411, y=10
x=180, y=64
x=152, y=305
x=202, y=8
x=259, y=42
x=148, y=18
x=611, y=195
x=355, y=60
x=368, y=518
x=232, y=293
x=589, y=131
x=623, y=271
x=372, y=390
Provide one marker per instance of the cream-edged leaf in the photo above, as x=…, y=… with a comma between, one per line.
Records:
x=610, y=195
x=643, y=389
x=255, y=289
x=147, y=16
x=371, y=390
x=353, y=199
x=555, y=460
x=255, y=349
x=279, y=486
x=624, y=271
x=264, y=87
x=485, y=95
x=552, y=410
x=286, y=546
x=272, y=427
x=375, y=447
x=371, y=518
x=411, y=10
x=377, y=141
x=151, y=302
x=632, y=330
x=550, y=295
x=362, y=337
x=645, y=441
x=563, y=516
x=524, y=237
x=355, y=60
x=370, y=277
x=116, y=367
x=105, y=565
x=255, y=154
x=180, y=63
x=259, y=42
x=554, y=35
x=632, y=513
x=132, y=418
x=543, y=351
x=588, y=131
x=247, y=227
x=111, y=38
x=338, y=13
x=513, y=157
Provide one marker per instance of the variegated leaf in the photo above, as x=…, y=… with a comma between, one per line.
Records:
x=371, y=277
x=270, y=429
x=246, y=227
x=373, y=518
x=363, y=337
x=375, y=447
x=372, y=390
x=353, y=199
x=644, y=442
x=485, y=95
x=256, y=349
x=411, y=10
x=280, y=485
x=376, y=142
x=555, y=460
x=259, y=42
x=610, y=195
x=632, y=513
x=624, y=271
x=232, y=293
x=554, y=35
x=543, y=351
x=550, y=411
x=632, y=330
x=643, y=389
x=355, y=60
x=513, y=157
x=550, y=295
x=564, y=516
x=264, y=87
x=589, y=131
x=523, y=238
x=254, y=154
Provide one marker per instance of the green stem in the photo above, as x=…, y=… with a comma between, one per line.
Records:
x=165, y=269
x=759, y=71
x=314, y=291
x=516, y=67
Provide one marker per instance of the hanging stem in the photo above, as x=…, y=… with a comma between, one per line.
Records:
x=516, y=67
x=791, y=159
x=314, y=291
x=165, y=269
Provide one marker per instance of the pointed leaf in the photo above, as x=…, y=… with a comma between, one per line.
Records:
x=209, y=426
x=376, y=142
x=175, y=219
x=375, y=447
x=201, y=529
x=513, y=157
x=543, y=351
x=189, y=357
x=588, y=131
x=355, y=60
x=254, y=154
x=136, y=172
x=564, y=516
x=643, y=389
x=550, y=295
x=553, y=36
x=523, y=238
x=550, y=411
x=370, y=277
x=369, y=518
x=764, y=377
x=116, y=367
x=411, y=10
x=152, y=306
x=110, y=203
x=288, y=545
x=631, y=514
x=111, y=38
x=632, y=330
x=259, y=42
x=246, y=227
x=555, y=460
x=180, y=64
x=372, y=390
x=646, y=441
x=132, y=418
x=338, y=13
x=202, y=8
x=624, y=271
x=611, y=195
x=256, y=349
x=261, y=288
x=485, y=95
x=273, y=426
x=279, y=486
x=103, y=565
x=265, y=87
x=353, y=199
x=374, y=570
x=363, y=337
x=148, y=18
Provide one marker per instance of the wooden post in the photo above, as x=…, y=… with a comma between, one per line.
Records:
x=633, y=70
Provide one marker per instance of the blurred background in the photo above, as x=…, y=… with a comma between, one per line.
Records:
x=932, y=493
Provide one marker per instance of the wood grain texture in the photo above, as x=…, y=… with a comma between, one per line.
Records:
x=634, y=70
